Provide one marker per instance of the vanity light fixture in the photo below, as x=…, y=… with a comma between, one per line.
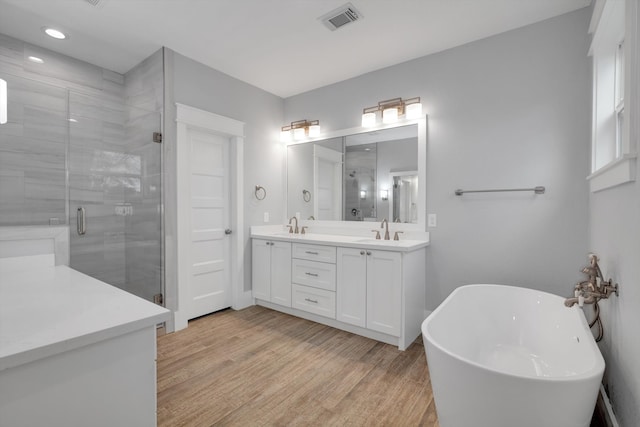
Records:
x=392, y=110
x=53, y=33
x=363, y=194
x=3, y=102
x=299, y=130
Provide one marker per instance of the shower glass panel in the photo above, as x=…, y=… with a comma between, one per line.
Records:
x=114, y=179
x=33, y=146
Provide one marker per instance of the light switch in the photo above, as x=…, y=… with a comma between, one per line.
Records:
x=432, y=220
x=266, y=217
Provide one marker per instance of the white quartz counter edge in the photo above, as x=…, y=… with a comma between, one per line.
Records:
x=344, y=241
x=50, y=310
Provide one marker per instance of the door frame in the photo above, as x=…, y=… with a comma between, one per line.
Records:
x=190, y=117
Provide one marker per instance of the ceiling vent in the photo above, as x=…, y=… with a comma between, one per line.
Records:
x=340, y=17
x=96, y=3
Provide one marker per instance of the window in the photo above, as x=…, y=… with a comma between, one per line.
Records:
x=619, y=97
x=613, y=154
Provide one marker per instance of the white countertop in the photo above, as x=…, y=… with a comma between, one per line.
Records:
x=402, y=245
x=49, y=310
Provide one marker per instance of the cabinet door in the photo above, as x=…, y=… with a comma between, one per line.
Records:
x=281, y=273
x=351, y=290
x=384, y=292
x=261, y=269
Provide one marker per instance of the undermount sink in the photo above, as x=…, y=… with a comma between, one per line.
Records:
x=380, y=242
x=285, y=234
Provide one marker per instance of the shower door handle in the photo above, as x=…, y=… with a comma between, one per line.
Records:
x=81, y=221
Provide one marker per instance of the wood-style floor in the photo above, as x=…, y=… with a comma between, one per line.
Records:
x=259, y=367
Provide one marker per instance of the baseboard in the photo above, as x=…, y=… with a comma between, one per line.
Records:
x=604, y=411
x=244, y=300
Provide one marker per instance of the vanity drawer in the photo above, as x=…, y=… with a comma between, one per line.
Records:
x=313, y=300
x=313, y=273
x=314, y=252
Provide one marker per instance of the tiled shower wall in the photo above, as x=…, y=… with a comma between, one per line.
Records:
x=72, y=140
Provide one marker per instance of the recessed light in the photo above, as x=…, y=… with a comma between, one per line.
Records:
x=56, y=34
x=35, y=59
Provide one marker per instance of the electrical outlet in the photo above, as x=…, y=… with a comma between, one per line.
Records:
x=432, y=220
x=265, y=217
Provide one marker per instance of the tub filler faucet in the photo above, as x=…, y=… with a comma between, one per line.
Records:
x=595, y=288
x=591, y=291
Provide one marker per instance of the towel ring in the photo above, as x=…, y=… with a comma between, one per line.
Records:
x=260, y=191
x=306, y=195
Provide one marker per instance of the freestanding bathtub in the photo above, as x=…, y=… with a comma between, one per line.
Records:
x=503, y=356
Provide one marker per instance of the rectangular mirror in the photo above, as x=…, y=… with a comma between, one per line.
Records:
x=360, y=176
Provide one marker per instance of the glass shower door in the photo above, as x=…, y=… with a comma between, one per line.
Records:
x=114, y=172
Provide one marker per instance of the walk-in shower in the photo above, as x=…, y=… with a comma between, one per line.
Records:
x=79, y=155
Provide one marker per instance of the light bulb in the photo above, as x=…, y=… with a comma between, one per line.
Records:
x=368, y=120
x=298, y=133
x=314, y=131
x=363, y=194
x=413, y=111
x=390, y=115
x=285, y=136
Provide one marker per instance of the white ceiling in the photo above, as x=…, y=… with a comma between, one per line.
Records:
x=277, y=45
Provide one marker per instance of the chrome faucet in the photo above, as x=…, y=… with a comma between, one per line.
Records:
x=591, y=291
x=386, y=232
x=595, y=288
x=291, y=227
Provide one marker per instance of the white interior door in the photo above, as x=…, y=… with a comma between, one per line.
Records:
x=327, y=183
x=209, y=287
x=208, y=184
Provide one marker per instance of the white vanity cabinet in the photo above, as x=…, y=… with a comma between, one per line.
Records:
x=352, y=292
x=384, y=292
x=314, y=279
x=370, y=289
x=271, y=270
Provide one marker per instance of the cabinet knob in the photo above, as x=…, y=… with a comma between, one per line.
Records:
x=368, y=252
x=361, y=252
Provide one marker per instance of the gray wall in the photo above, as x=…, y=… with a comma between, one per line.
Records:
x=615, y=238
x=614, y=230
x=507, y=111
x=199, y=86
